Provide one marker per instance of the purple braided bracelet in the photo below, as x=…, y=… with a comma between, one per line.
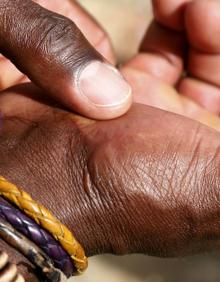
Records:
x=39, y=236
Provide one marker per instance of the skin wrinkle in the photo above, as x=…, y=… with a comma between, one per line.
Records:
x=127, y=212
x=212, y=182
x=174, y=169
x=70, y=9
x=183, y=175
x=199, y=170
x=96, y=201
x=157, y=179
x=1, y=122
x=165, y=219
x=56, y=44
x=125, y=209
x=171, y=53
x=164, y=55
x=156, y=241
x=191, y=170
x=111, y=203
x=118, y=212
x=210, y=215
x=89, y=192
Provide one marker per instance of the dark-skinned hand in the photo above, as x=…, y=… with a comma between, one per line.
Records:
x=147, y=182
x=51, y=50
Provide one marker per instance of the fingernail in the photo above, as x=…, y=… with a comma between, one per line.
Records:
x=103, y=85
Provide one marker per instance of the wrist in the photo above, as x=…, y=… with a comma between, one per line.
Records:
x=65, y=199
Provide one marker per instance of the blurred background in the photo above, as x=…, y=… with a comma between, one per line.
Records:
x=126, y=21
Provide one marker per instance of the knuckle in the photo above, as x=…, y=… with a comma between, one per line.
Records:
x=59, y=39
x=51, y=30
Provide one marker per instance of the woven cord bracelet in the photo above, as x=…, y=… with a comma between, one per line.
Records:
x=31, y=251
x=38, y=235
x=43, y=217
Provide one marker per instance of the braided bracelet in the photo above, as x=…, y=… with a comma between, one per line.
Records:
x=38, y=235
x=31, y=251
x=43, y=217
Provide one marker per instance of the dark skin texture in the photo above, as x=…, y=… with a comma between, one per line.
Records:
x=158, y=181
x=52, y=52
x=147, y=182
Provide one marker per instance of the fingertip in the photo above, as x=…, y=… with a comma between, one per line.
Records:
x=170, y=13
x=204, y=66
x=113, y=112
x=92, y=111
x=162, y=52
x=202, y=20
x=100, y=92
x=204, y=94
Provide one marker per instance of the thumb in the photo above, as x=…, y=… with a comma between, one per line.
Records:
x=55, y=55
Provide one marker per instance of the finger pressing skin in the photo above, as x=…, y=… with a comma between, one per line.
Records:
x=89, y=27
x=54, y=54
x=162, y=52
x=202, y=20
x=170, y=12
x=163, y=166
x=168, y=176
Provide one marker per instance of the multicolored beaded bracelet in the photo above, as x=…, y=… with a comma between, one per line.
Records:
x=44, y=218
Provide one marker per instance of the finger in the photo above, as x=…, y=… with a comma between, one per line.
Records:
x=9, y=74
x=9, y=273
x=54, y=54
x=3, y=260
x=202, y=19
x=202, y=25
x=170, y=12
x=204, y=94
x=200, y=86
x=162, y=52
x=90, y=28
x=19, y=278
x=93, y=32
x=150, y=91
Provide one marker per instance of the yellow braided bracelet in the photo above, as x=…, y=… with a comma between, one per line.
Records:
x=44, y=218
